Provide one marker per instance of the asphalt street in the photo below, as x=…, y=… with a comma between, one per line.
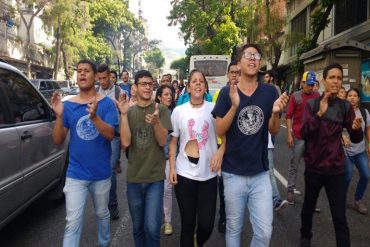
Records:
x=42, y=224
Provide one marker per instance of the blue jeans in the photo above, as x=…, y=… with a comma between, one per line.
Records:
x=76, y=194
x=145, y=201
x=275, y=191
x=297, y=152
x=116, y=151
x=361, y=161
x=255, y=193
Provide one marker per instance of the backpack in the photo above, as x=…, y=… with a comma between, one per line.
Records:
x=364, y=115
x=116, y=91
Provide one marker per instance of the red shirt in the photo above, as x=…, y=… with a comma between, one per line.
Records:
x=296, y=108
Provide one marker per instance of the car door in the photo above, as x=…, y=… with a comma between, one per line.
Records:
x=42, y=161
x=11, y=175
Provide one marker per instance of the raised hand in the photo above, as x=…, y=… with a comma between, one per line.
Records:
x=324, y=104
x=280, y=103
x=56, y=104
x=357, y=123
x=154, y=117
x=92, y=106
x=123, y=103
x=234, y=94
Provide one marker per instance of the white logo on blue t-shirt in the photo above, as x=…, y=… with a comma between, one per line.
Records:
x=86, y=129
x=250, y=120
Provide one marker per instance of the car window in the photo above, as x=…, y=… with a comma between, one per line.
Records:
x=49, y=85
x=55, y=85
x=24, y=101
x=43, y=85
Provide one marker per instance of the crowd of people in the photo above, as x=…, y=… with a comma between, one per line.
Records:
x=178, y=139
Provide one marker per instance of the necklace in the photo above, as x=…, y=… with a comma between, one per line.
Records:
x=192, y=104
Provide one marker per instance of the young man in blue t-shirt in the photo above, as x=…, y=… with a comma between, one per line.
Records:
x=245, y=112
x=91, y=119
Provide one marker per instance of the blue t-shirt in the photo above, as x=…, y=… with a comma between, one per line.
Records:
x=126, y=88
x=89, y=151
x=247, y=138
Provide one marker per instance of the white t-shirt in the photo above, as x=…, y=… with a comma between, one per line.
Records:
x=195, y=123
x=270, y=145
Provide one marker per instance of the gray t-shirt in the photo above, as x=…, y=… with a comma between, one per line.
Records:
x=357, y=148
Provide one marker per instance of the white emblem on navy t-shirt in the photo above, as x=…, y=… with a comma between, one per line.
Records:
x=86, y=129
x=250, y=120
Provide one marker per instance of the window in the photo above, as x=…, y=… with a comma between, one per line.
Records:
x=212, y=67
x=23, y=100
x=298, y=26
x=55, y=85
x=349, y=13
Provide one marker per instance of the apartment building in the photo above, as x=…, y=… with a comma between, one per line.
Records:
x=13, y=35
x=345, y=40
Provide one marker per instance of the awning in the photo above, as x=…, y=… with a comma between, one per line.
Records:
x=334, y=46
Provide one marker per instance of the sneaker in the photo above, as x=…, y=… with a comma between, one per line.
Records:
x=113, y=211
x=305, y=242
x=222, y=226
x=290, y=197
x=280, y=205
x=360, y=207
x=168, y=230
x=317, y=210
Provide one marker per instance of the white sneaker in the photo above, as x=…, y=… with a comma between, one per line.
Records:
x=168, y=230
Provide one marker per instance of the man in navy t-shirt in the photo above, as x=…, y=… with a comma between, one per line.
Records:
x=91, y=119
x=245, y=113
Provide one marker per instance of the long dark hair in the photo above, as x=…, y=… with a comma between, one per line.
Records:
x=159, y=92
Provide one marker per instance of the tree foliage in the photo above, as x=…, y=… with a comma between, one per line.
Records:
x=213, y=26
x=154, y=59
x=182, y=64
x=93, y=29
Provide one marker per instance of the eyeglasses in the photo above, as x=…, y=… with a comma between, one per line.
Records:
x=234, y=72
x=250, y=56
x=146, y=83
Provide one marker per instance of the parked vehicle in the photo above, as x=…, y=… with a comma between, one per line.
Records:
x=66, y=86
x=47, y=87
x=214, y=68
x=30, y=163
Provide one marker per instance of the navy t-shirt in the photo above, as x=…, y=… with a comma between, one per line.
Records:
x=89, y=151
x=247, y=138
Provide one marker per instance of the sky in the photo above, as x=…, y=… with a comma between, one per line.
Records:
x=155, y=12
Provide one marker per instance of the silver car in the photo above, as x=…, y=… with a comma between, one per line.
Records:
x=30, y=163
x=47, y=87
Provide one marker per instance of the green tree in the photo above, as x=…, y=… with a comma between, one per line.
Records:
x=182, y=64
x=154, y=59
x=213, y=26
x=73, y=37
x=109, y=18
